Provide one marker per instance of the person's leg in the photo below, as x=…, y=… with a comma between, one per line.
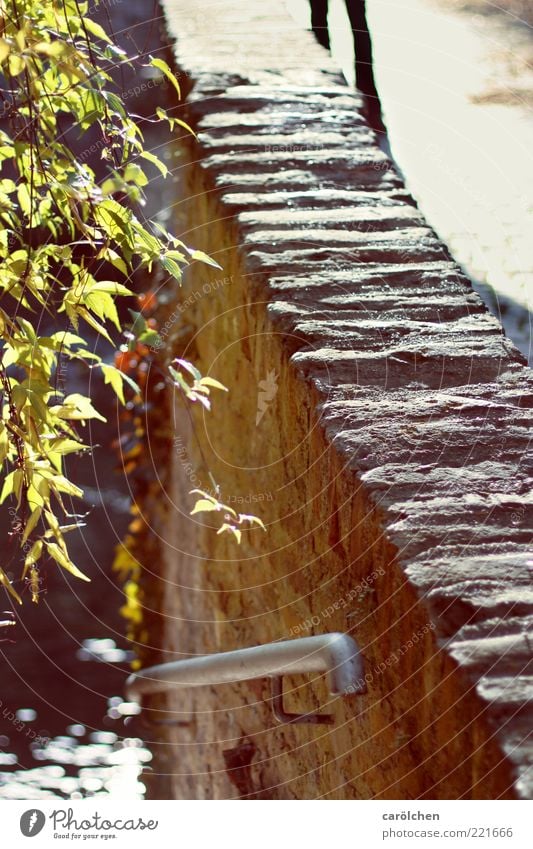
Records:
x=364, y=72
x=319, y=21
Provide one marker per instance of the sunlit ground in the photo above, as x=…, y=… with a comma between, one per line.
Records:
x=467, y=155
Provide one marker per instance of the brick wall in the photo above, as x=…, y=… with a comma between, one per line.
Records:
x=377, y=422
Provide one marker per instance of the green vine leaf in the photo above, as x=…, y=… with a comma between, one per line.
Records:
x=161, y=65
x=64, y=235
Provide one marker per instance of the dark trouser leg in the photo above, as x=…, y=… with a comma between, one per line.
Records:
x=319, y=21
x=364, y=73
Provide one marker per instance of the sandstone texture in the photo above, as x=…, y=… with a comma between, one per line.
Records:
x=378, y=421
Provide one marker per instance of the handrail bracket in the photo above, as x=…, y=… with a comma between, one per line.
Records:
x=281, y=714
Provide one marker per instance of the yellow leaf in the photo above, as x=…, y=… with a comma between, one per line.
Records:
x=203, y=506
x=232, y=529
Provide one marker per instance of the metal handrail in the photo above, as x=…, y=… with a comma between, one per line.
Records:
x=335, y=654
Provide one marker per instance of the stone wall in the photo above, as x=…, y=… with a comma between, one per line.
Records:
x=377, y=422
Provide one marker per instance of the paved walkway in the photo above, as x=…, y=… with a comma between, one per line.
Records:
x=457, y=90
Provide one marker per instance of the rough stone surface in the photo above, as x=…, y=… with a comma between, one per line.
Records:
x=390, y=465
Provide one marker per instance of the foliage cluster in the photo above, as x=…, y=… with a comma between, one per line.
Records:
x=69, y=245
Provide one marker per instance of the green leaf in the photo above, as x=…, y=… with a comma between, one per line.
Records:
x=151, y=157
x=7, y=584
x=5, y=49
x=111, y=287
x=139, y=323
x=114, y=102
x=114, y=258
x=180, y=380
x=103, y=305
x=96, y=29
x=64, y=561
x=231, y=529
x=188, y=367
x=133, y=173
x=12, y=485
x=63, y=338
x=145, y=241
x=33, y=555
x=163, y=116
x=115, y=377
x=170, y=266
x=62, y=223
x=38, y=405
x=115, y=220
x=203, y=506
x=86, y=315
x=131, y=383
x=150, y=337
x=20, y=396
x=63, y=445
x=215, y=384
x=162, y=66
x=200, y=256
x=24, y=198
x=54, y=49
x=31, y=523
x=59, y=483
x=77, y=407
